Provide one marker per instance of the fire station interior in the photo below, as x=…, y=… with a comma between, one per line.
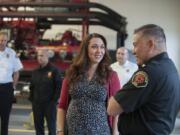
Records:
x=27, y=23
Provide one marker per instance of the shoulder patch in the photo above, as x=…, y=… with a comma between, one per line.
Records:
x=140, y=79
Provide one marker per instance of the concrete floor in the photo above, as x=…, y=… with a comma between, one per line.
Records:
x=177, y=127
x=20, y=116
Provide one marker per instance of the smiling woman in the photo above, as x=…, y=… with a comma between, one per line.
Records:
x=88, y=84
x=96, y=50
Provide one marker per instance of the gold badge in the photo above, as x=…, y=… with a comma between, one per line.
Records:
x=140, y=79
x=49, y=74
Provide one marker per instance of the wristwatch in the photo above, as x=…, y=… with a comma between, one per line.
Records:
x=59, y=130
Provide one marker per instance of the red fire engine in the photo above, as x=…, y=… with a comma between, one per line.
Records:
x=27, y=21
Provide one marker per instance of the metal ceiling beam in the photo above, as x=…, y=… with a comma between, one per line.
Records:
x=85, y=5
x=101, y=17
x=76, y=11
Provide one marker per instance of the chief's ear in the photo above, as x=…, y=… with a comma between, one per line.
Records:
x=151, y=44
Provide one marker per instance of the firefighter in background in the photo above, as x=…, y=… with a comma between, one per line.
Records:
x=9, y=75
x=123, y=66
x=44, y=93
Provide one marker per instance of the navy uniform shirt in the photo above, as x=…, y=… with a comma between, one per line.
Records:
x=45, y=84
x=150, y=99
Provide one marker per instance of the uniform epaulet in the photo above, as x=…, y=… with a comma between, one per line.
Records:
x=144, y=65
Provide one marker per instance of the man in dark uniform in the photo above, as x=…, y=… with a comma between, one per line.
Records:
x=44, y=93
x=149, y=102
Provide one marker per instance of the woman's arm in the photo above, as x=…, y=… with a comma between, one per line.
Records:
x=114, y=86
x=62, y=108
x=60, y=121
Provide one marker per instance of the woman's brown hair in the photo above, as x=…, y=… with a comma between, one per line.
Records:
x=81, y=63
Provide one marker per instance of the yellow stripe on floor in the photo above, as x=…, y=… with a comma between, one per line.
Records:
x=22, y=130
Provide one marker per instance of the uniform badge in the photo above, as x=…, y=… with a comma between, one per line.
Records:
x=49, y=74
x=7, y=55
x=140, y=79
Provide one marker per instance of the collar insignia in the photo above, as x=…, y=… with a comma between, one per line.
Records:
x=140, y=79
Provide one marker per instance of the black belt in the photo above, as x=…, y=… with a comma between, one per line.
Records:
x=1, y=84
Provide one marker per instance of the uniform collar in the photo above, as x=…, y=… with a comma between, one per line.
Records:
x=159, y=56
x=125, y=64
x=5, y=50
x=45, y=67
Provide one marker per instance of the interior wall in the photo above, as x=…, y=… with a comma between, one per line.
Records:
x=139, y=12
x=165, y=13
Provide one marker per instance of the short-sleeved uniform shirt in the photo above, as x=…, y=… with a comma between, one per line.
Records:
x=9, y=63
x=150, y=99
x=124, y=71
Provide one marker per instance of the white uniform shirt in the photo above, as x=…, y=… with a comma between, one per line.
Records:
x=9, y=63
x=124, y=71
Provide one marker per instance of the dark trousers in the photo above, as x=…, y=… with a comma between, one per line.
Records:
x=45, y=110
x=6, y=98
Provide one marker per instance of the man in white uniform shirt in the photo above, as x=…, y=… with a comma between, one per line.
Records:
x=9, y=75
x=123, y=66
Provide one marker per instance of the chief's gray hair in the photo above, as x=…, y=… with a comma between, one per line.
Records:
x=152, y=30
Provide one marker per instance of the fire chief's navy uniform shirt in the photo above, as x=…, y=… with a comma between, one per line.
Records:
x=150, y=99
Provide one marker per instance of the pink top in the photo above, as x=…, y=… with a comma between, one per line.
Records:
x=113, y=85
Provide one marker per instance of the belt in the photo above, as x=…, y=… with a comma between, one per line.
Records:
x=1, y=84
